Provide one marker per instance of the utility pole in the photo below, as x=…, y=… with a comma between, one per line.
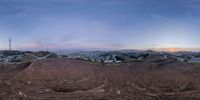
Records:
x=10, y=44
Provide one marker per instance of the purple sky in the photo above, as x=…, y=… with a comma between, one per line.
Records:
x=99, y=24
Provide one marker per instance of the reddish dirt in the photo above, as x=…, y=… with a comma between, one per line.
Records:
x=67, y=79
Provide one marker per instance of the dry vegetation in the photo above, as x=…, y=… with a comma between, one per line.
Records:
x=67, y=79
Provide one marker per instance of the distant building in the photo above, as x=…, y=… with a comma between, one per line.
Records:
x=194, y=60
x=180, y=59
x=1, y=55
x=165, y=57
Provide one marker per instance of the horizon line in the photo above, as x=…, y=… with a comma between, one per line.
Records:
x=170, y=49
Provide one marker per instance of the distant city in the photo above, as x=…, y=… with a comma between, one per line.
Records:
x=122, y=56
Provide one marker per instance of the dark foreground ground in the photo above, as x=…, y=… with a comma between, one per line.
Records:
x=67, y=79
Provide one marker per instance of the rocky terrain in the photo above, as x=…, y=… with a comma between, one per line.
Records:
x=70, y=79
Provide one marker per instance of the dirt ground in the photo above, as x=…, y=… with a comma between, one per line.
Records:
x=68, y=79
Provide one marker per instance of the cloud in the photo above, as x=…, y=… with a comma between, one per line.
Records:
x=83, y=46
x=109, y=3
x=31, y=45
x=75, y=30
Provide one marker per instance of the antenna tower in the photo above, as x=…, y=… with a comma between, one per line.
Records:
x=10, y=44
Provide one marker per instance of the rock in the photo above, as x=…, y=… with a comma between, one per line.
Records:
x=7, y=83
x=118, y=92
x=21, y=94
x=28, y=82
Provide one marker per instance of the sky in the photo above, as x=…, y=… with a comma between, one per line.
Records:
x=99, y=24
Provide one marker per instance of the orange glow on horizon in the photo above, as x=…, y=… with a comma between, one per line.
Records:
x=172, y=49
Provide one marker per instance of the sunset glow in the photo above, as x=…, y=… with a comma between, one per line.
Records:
x=171, y=49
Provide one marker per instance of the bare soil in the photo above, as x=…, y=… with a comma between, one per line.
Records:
x=68, y=79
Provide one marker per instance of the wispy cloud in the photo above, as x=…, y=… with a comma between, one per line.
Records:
x=83, y=46
x=110, y=3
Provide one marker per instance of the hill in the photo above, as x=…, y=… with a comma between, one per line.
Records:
x=70, y=79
